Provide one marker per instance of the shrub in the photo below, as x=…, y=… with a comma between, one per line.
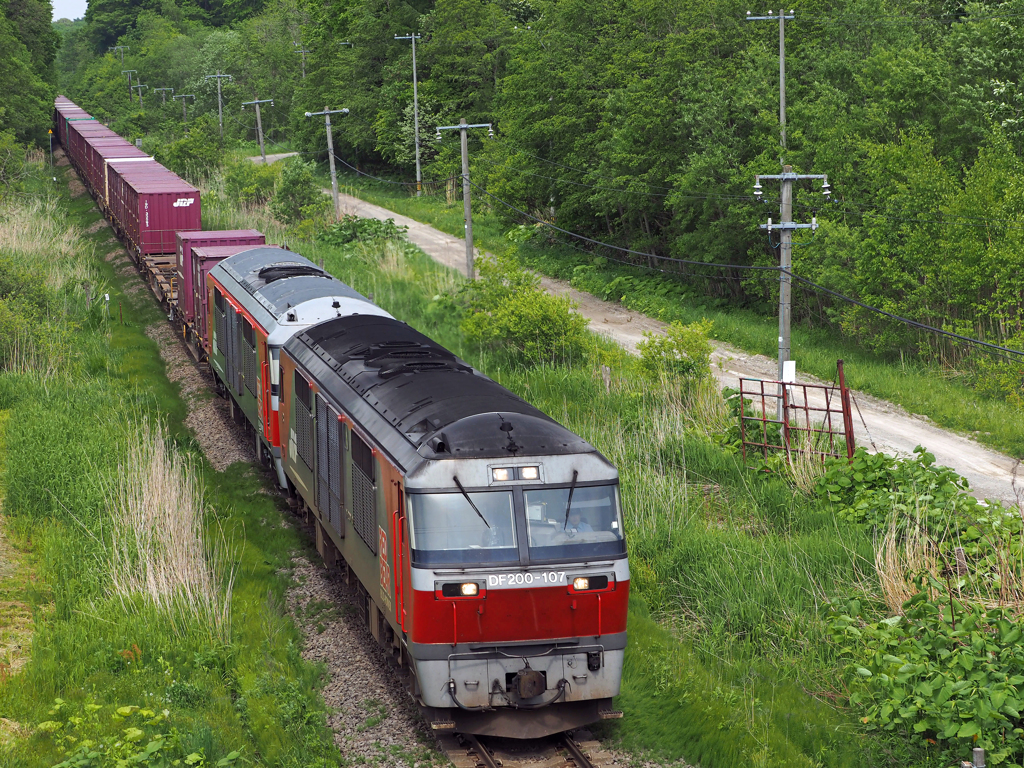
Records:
x=683, y=350
x=507, y=310
x=945, y=673
x=297, y=195
x=353, y=228
x=249, y=183
x=12, y=164
x=1003, y=378
x=197, y=154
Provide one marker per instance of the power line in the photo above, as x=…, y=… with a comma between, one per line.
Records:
x=810, y=283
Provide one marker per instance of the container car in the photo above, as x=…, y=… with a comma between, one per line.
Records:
x=150, y=205
x=186, y=241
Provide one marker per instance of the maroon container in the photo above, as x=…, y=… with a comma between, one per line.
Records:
x=205, y=258
x=79, y=134
x=150, y=204
x=98, y=152
x=187, y=241
x=127, y=165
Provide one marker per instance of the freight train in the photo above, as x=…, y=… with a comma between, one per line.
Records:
x=484, y=538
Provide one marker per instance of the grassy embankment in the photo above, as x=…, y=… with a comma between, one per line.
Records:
x=202, y=660
x=734, y=567
x=921, y=389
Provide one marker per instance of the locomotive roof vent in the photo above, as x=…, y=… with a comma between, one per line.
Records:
x=282, y=271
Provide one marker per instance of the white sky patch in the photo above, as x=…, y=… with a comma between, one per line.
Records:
x=68, y=9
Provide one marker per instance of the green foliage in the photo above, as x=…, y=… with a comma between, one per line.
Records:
x=944, y=672
x=867, y=490
x=12, y=164
x=96, y=736
x=248, y=183
x=197, y=154
x=354, y=228
x=507, y=311
x=297, y=195
x=683, y=350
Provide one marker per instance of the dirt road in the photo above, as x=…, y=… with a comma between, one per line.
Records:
x=885, y=427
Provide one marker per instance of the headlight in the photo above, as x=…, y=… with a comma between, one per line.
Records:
x=580, y=583
x=529, y=473
x=500, y=475
x=470, y=589
x=465, y=589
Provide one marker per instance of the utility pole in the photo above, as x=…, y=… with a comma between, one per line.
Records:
x=140, y=87
x=785, y=228
x=184, y=114
x=415, y=111
x=129, y=73
x=463, y=128
x=163, y=95
x=122, y=49
x=259, y=123
x=302, y=51
x=782, y=71
x=220, y=107
x=330, y=153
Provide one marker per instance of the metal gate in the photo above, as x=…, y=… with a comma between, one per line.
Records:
x=809, y=418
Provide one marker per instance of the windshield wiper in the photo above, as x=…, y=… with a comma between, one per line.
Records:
x=463, y=491
x=568, y=504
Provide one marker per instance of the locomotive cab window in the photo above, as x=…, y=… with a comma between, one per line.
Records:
x=590, y=526
x=446, y=529
x=218, y=299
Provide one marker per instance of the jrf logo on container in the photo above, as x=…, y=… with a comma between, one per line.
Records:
x=183, y=202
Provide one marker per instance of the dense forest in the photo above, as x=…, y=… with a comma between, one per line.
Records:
x=641, y=124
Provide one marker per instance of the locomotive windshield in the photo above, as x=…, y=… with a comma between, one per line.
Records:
x=446, y=530
x=591, y=526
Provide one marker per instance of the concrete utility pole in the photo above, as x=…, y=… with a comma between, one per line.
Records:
x=140, y=87
x=785, y=228
x=184, y=114
x=129, y=73
x=121, y=48
x=782, y=71
x=163, y=95
x=330, y=153
x=220, y=106
x=415, y=110
x=302, y=51
x=463, y=129
x=259, y=123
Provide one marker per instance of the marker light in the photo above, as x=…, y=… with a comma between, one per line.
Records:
x=470, y=589
x=580, y=583
x=500, y=475
x=529, y=473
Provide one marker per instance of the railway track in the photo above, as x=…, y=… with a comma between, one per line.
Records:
x=572, y=749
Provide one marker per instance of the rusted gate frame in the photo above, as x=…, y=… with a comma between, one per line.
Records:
x=837, y=402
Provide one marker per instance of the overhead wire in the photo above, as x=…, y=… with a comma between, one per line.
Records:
x=805, y=281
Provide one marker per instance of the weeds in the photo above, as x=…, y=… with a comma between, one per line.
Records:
x=158, y=546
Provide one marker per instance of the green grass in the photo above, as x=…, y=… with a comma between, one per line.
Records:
x=922, y=389
x=735, y=566
x=254, y=693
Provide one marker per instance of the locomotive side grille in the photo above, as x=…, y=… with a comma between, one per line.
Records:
x=364, y=493
x=303, y=421
x=322, y=460
x=364, y=512
x=334, y=465
x=250, y=368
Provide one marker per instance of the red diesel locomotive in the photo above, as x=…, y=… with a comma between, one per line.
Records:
x=485, y=538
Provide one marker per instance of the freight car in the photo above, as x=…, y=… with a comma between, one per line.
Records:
x=485, y=538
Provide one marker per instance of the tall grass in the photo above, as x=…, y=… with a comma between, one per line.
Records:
x=158, y=544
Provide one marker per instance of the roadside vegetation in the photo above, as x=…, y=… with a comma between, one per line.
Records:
x=152, y=586
x=761, y=593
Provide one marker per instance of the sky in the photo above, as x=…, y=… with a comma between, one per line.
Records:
x=68, y=9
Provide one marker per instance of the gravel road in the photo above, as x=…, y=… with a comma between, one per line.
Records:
x=885, y=426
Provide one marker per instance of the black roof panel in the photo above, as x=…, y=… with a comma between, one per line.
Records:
x=436, y=403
